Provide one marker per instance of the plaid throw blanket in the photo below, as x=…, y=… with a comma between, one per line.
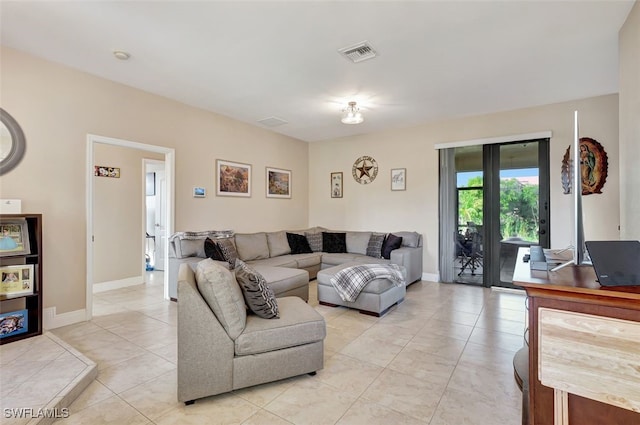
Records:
x=350, y=281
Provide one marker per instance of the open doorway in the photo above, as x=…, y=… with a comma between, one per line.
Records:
x=137, y=236
x=155, y=212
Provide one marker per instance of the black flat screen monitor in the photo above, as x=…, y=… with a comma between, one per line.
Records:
x=616, y=263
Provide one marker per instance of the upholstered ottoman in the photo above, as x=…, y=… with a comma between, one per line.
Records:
x=375, y=299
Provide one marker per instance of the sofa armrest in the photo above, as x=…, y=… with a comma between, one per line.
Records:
x=173, y=268
x=411, y=259
x=205, y=351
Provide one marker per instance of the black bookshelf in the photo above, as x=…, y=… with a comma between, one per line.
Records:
x=32, y=303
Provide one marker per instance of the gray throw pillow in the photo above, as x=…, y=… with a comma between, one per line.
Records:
x=228, y=250
x=315, y=241
x=374, y=248
x=257, y=294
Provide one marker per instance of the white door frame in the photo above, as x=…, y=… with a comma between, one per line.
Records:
x=169, y=170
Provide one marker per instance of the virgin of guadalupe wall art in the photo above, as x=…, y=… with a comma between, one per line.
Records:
x=593, y=167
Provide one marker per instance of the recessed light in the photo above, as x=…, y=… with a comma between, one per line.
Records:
x=122, y=55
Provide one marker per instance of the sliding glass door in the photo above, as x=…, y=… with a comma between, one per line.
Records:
x=518, y=206
x=501, y=204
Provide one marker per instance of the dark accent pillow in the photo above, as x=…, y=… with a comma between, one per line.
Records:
x=212, y=250
x=390, y=243
x=257, y=294
x=228, y=250
x=315, y=241
x=374, y=248
x=334, y=242
x=298, y=244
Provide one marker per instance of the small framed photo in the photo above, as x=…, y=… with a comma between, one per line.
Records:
x=278, y=183
x=233, y=179
x=14, y=238
x=16, y=281
x=336, y=184
x=199, y=192
x=398, y=179
x=14, y=323
x=104, y=171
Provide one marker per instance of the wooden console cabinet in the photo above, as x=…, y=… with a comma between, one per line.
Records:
x=572, y=289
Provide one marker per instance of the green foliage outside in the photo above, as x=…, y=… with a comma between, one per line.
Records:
x=518, y=207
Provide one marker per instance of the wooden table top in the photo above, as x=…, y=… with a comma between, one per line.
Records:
x=576, y=281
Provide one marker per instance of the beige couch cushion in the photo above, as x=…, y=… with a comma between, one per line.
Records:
x=252, y=246
x=220, y=290
x=299, y=324
x=278, y=244
x=357, y=242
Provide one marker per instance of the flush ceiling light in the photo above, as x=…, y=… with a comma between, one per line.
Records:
x=122, y=55
x=351, y=114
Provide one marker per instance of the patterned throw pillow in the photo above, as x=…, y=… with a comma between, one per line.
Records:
x=228, y=250
x=315, y=241
x=257, y=294
x=374, y=248
x=298, y=244
x=390, y=243
x=212, y=250
x=334, y=242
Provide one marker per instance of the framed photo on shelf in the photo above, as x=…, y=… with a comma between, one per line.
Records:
x=16, y=281
x=14, y=323
x=336, y=184
x=398, y=179
x=199, y=192
x=14, y=237
x=278, y=183
x=233, y=179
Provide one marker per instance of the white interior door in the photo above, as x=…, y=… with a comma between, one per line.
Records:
x=160, y=230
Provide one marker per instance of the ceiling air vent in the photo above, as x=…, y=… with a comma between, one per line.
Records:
x=358, y=52
x=272, y=122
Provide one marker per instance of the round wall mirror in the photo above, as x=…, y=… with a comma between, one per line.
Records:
x=12, y=142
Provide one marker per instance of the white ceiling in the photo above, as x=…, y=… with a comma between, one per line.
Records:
x=254, y=60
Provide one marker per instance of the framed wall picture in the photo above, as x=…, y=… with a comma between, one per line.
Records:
x=278, y=183
x=398, y=179
x=14, y=323
x=16, y=281
x=14, y=237
x=105, y=171
x=199, y=192
x=233, y=178
x=336, y=184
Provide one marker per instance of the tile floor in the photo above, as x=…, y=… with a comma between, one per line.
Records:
x=443, y=357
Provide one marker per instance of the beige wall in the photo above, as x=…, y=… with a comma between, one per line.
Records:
x=376, y=207
x=57, y=107
x=630, y=125
x=118, y=250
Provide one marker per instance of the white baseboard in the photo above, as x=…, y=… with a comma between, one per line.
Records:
x=51, y=320
x=117, y=284
x=431, y=277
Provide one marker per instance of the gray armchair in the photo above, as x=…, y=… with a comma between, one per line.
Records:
x=229, y=349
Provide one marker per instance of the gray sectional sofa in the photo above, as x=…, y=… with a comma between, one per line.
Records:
x=270, y=254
